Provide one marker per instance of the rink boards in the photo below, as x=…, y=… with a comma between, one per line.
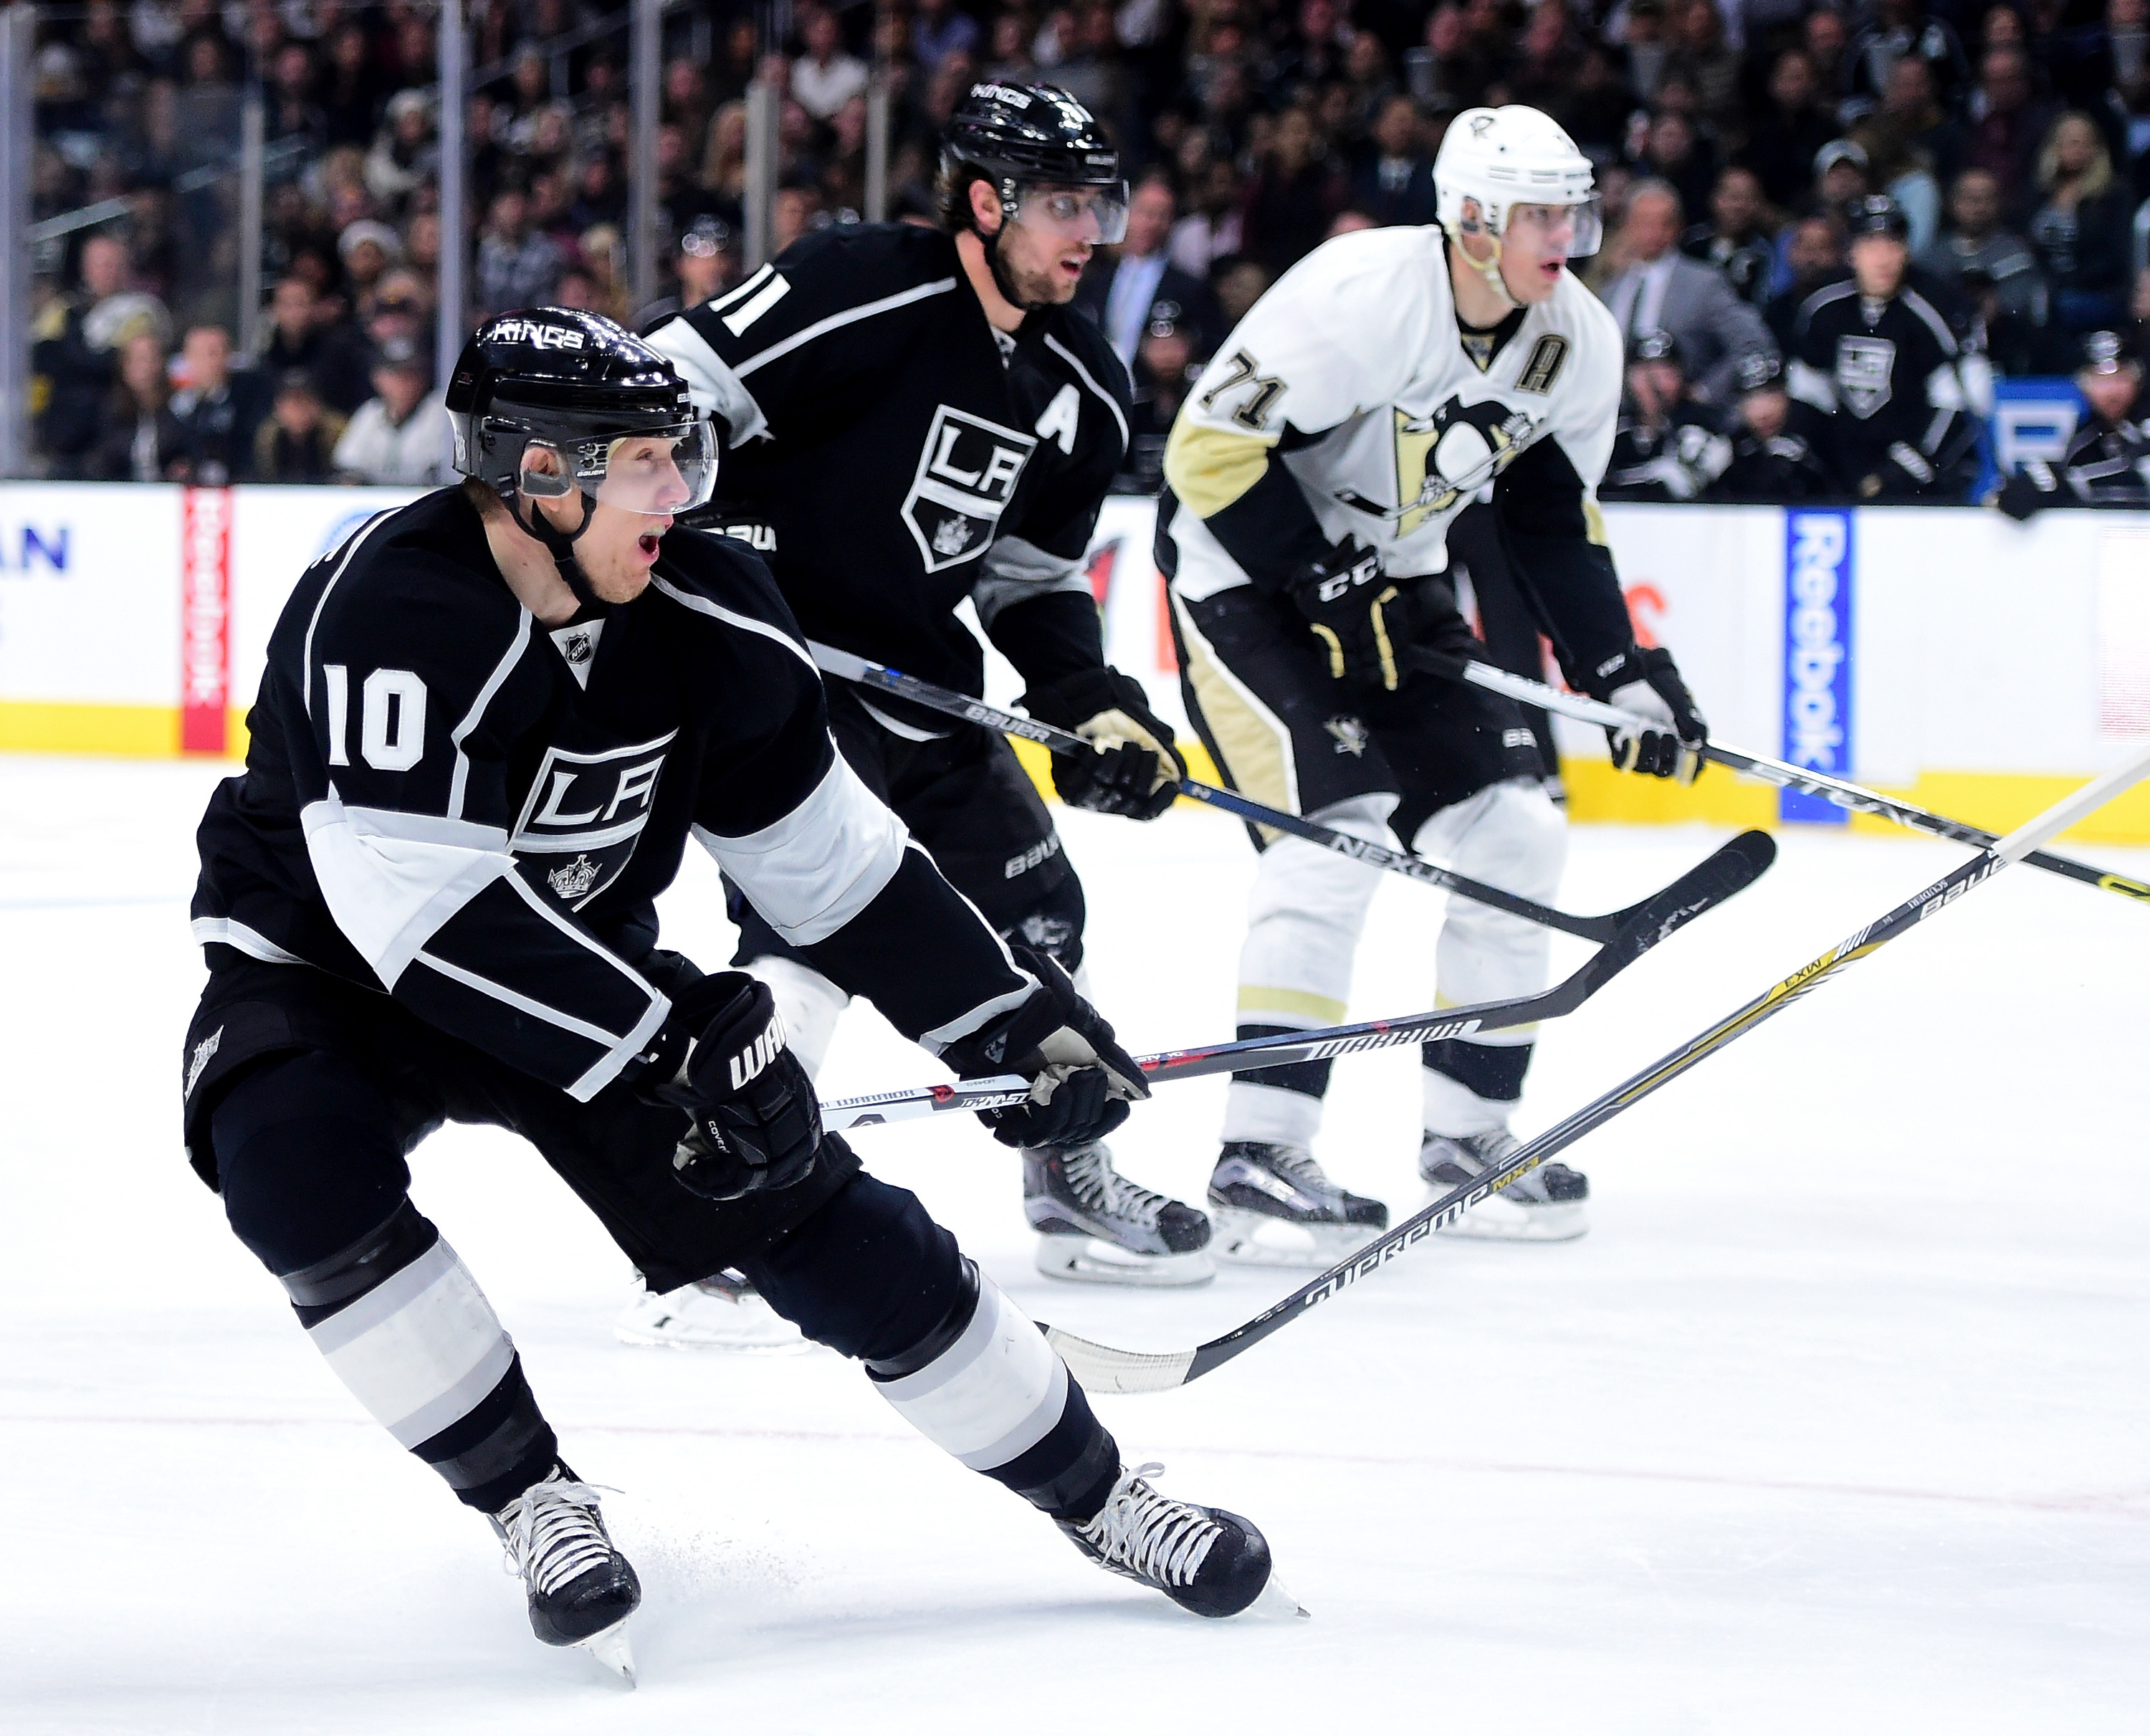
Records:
x=1978, y=666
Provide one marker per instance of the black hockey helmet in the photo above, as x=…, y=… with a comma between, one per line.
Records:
x=1760, y=371
x=2106, y=352
x=1657, y=346
x=571, y=385
x=1021, y=136
x=1878, y=214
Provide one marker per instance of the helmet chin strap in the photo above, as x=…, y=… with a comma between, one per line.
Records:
x=1002, y=281
x=561, y=545
x=1488, y=268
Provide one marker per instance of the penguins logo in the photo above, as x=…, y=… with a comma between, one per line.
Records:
x=1443, y=459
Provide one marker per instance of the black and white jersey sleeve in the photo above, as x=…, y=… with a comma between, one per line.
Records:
x=824, y=861
x=799, y=344
x=415, y=678
x=1033, y=597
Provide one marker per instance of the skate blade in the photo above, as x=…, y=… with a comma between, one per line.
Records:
x=1276, y=1604
x=1085, y=1259
x=766, y=1334
x=611, y=1649
x=1250, y=1238
x=657, y=1338
x=1502, y=1220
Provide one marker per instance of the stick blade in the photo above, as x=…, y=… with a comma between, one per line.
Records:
x=1102, y=1369
x=1728, y=869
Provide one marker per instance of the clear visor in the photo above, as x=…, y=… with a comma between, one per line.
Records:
x=664, y=472
x=1573, y=231
x=1096, y=214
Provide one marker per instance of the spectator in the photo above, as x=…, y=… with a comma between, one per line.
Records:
x=400, y=435
x=1976, y=244
x=1213, y=229
x=72, y=350
x=1770, y=463
x=1903, y=31
x=1395, y=184
x=1294, y=197
x=139, y=441
x=1664, y=447
x=1909, y=107
x=214, y=412
x=1674, y=153
x=1664, y=291
x=1813, y=257
x=1165, y=365
x=297, y=440
x=1875, y=373
x=825, y=78
x=405, y=156
x=1843, y=174
x=1125, y=286
x=2009, y=125
x=1827, y=41
x=365, y=249
x=703, y=265
x=516, y=268
x=938, y=30
x=1237, y=283
x=2107, y=459
x=795, y=209
x=1733, y=240
x=1790, y=130
x=2082, y=227
x=306, y=333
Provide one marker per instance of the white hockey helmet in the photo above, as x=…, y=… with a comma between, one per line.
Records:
x=1502, y=158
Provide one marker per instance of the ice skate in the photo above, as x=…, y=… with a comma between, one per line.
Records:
x=1204, y=1559
x=1545, y=1205
x=722, y=1313
x=582, y=1589
x=1096, y=1226
x=1272, y=1206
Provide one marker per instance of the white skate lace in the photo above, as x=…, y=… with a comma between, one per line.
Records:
x=1151, y=1535
x=551, y=1532
x=1298, y=1166
x=1102, y=1188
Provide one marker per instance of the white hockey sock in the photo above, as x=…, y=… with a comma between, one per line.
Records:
x=991, y=1395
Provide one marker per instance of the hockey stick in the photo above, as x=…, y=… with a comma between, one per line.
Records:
x=1781, y=772
x=1717, y=877
x=1102, y=1368
x=1600, y=929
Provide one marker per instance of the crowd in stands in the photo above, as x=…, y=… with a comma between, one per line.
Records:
x=1736, y=139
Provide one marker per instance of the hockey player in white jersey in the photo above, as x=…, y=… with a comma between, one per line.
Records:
x=1386, y=381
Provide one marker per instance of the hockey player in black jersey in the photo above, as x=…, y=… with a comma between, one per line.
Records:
x=489, y=723
x=1883, y=390
x=1664, y=448
x=2107, y=459
x=916, y=416
x=1770, y=463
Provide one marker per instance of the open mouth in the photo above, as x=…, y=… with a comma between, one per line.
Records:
x=647, y=542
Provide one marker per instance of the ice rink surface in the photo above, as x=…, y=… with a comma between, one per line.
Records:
x=1838, y=1419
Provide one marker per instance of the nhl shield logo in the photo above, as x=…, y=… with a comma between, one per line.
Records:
x=1864, y=365
x=966, y=474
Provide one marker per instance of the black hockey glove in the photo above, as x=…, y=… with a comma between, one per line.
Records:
x=1646, y=683
x=1081, y=1080
x=755, y=1122
x=1356, y=612
x=1135, y=770
x=2032, y=488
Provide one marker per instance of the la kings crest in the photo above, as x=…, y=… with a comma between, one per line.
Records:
x=966, y=476
x=1865, y=366
x=585, y=813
